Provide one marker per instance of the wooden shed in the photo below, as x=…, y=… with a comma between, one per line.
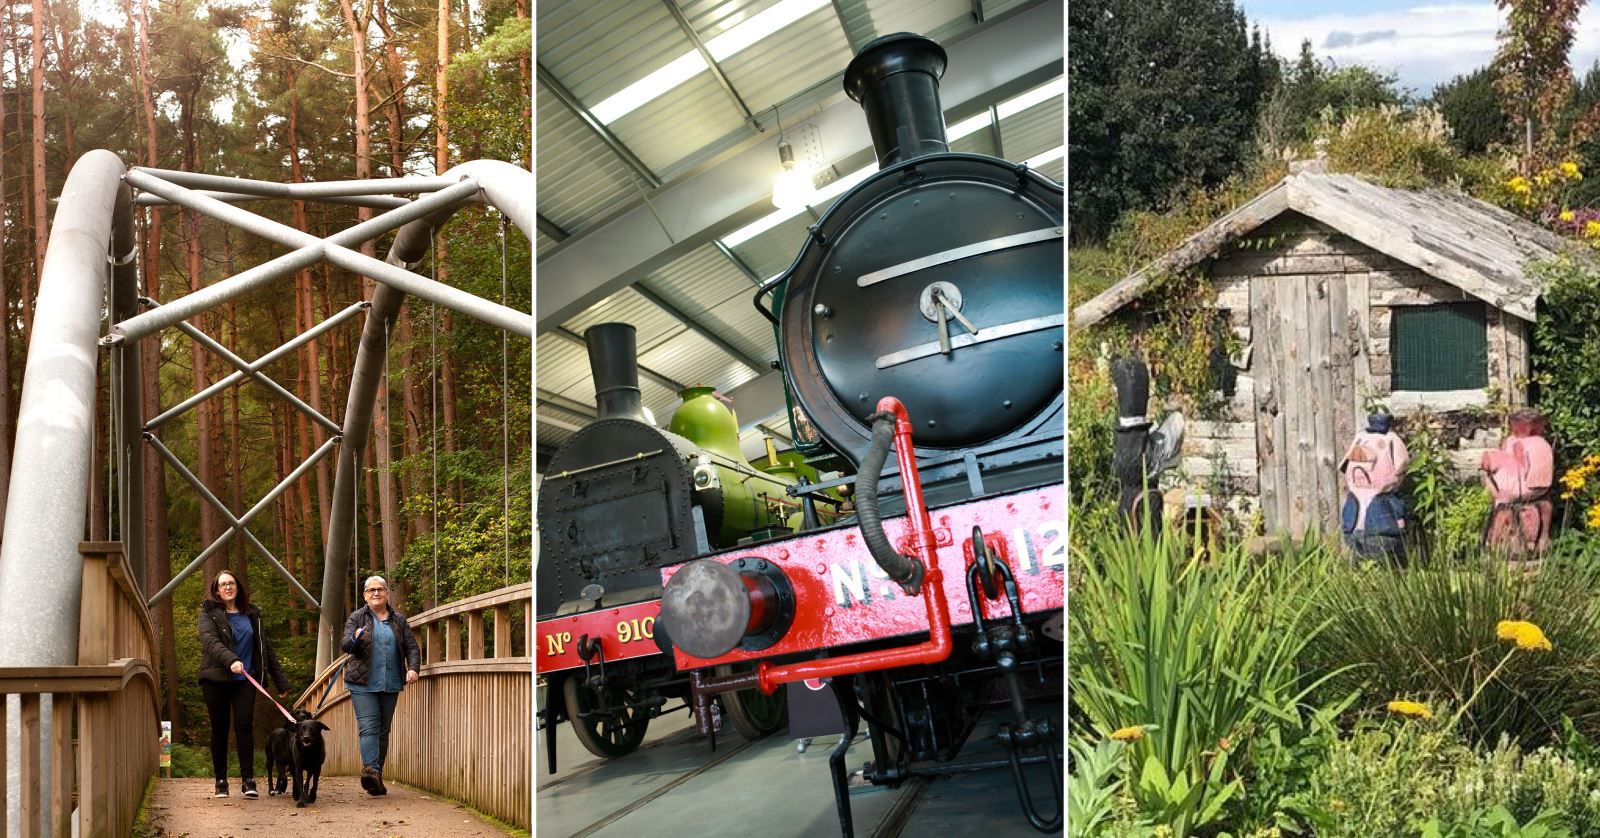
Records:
x=1352, y=293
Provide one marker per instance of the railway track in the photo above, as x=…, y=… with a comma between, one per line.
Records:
x=674, y=786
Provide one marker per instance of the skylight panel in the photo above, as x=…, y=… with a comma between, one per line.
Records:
x=690, y=64
x=1023, y=101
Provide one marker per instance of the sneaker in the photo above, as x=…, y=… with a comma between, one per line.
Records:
x=250, y=789
x=369, y=780
x=222, y=789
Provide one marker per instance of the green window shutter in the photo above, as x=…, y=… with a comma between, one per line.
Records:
x=1439, y=347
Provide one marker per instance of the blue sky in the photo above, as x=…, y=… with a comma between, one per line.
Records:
x=1423, y=43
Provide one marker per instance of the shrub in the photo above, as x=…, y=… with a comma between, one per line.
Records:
x=1201, y=655
x=1420, y=778
x=1427, y=632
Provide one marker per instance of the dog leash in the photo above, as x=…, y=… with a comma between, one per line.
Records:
x=257, y=685
x=331, y=682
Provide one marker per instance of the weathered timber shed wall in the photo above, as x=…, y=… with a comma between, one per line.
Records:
x=1313, y=311
x=1344, y=295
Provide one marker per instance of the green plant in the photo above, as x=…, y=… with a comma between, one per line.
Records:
x=1428, y=632
x=1093, y=785
x=1202, y=652
x=1566, y=358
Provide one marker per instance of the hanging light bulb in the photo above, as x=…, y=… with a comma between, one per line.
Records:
x=794, y=187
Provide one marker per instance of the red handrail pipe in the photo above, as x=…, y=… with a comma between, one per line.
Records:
x=923, y=542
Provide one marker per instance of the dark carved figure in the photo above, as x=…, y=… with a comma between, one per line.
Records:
x=1139, y=452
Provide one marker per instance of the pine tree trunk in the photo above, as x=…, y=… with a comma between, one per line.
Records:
x=158, y=558
x=41, y=210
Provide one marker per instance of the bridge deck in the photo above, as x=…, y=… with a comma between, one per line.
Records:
x=674, y=788
x=184, y=805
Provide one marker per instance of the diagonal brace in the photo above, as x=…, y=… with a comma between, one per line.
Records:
x=255, y=366
x=244, y=366
x=310, y=251
x=494, y=314
x=238, y=525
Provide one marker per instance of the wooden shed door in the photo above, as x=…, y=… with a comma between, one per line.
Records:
x=1306, y=407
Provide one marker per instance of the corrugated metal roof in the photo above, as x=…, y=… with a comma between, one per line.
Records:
x=1034, y=130
x=936, y=19
x=775, y=68
x=675, y=125
x=653, y=326
x=773, y=250
x=598, y=47
x=561, y=364
x=700, y=281
x=697, y=362
x=738, y=322
x=580, y=180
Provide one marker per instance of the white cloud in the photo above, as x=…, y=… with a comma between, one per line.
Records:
x=1423, y=45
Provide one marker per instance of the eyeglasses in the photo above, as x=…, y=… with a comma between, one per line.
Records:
x=227, y=584
x=377, y=590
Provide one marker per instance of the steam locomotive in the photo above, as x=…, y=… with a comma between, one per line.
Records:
x=619, y=501
x=923, y=317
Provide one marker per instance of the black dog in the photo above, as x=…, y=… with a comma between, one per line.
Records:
x=280, y=761
x=307, y=753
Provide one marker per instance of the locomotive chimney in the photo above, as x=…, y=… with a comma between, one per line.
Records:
x=614, y=362
x=896, y=80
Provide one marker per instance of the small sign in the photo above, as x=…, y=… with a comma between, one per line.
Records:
x=166, y=744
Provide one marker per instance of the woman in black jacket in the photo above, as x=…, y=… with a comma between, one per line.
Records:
x=231, y=644
x=384, y=658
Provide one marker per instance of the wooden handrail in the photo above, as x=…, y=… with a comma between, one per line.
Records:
x=105, y=678
x=515, y=593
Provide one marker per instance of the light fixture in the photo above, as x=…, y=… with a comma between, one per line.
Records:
x=794, y=187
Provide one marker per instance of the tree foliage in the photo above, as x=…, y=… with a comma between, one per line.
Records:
x=1164, y=94
x=1471, y=105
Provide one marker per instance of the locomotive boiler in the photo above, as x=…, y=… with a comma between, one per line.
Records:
x=620, y=500
x=924, y=316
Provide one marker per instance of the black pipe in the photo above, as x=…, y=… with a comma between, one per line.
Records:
x=614, y=363
x=896, y=80
x=902, y=569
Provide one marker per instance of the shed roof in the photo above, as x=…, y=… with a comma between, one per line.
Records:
x=1458, y=239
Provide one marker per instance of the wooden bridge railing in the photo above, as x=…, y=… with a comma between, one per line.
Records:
x=104, y=712
x=463, y=730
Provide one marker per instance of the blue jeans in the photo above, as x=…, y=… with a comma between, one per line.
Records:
x=374, y=712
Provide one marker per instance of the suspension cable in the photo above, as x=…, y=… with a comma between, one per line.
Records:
x=433, y=403
x=505, y=413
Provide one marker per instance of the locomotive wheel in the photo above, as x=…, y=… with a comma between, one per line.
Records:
x=610, y=736
x=753, y=713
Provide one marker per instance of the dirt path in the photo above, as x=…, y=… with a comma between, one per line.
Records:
x=185, y=807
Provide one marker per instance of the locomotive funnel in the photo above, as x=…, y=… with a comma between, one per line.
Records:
x=614, y=362
x=896, y=80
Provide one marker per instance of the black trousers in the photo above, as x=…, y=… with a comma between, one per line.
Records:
x=237, y=698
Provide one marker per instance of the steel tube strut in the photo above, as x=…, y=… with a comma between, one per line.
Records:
x=40, y=569
x=227, y=514
x=375, y=201
x=310, y=249
x=261, y=363
x=244, y=366
x=308, y=191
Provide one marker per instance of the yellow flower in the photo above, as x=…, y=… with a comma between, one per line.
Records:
x=1519, y=185
x=1410, y=709
x=1525, y=634
x=1593, y=517
x=1566, y=215
x=1128, y=734
x=1569, y=170
x=1544, y=178
x=1591, y=229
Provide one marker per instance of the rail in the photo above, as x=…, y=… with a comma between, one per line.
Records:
x=90, y=733
x=463, y=730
